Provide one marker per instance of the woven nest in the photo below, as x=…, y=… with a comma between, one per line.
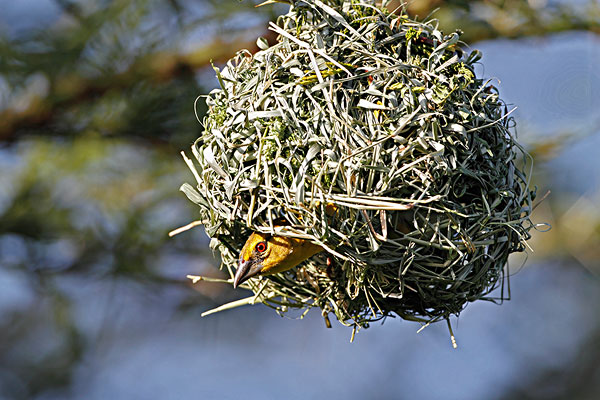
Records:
x=370, y=135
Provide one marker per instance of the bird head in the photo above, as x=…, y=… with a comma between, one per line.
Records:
x=265, y=254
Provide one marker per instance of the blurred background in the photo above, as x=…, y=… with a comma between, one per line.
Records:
x=96, y=102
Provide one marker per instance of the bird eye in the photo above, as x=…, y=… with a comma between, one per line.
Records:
x=261, y=247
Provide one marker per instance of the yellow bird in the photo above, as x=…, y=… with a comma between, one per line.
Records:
x=265, y=254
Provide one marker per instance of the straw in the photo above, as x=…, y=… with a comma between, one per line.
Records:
x=383, y=117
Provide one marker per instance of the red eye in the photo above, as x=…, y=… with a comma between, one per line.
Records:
x=261, y=247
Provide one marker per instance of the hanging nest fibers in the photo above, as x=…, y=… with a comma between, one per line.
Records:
x=370, y=135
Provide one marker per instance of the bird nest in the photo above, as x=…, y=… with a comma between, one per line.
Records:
x=369, y=134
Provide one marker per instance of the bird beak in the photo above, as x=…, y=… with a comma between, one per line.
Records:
x=245, y=270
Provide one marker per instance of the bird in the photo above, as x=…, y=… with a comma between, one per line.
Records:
x=266, y=254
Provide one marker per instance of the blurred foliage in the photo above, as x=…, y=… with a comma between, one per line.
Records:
x=119, y=68
x=489, y=19
x=95, y=104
